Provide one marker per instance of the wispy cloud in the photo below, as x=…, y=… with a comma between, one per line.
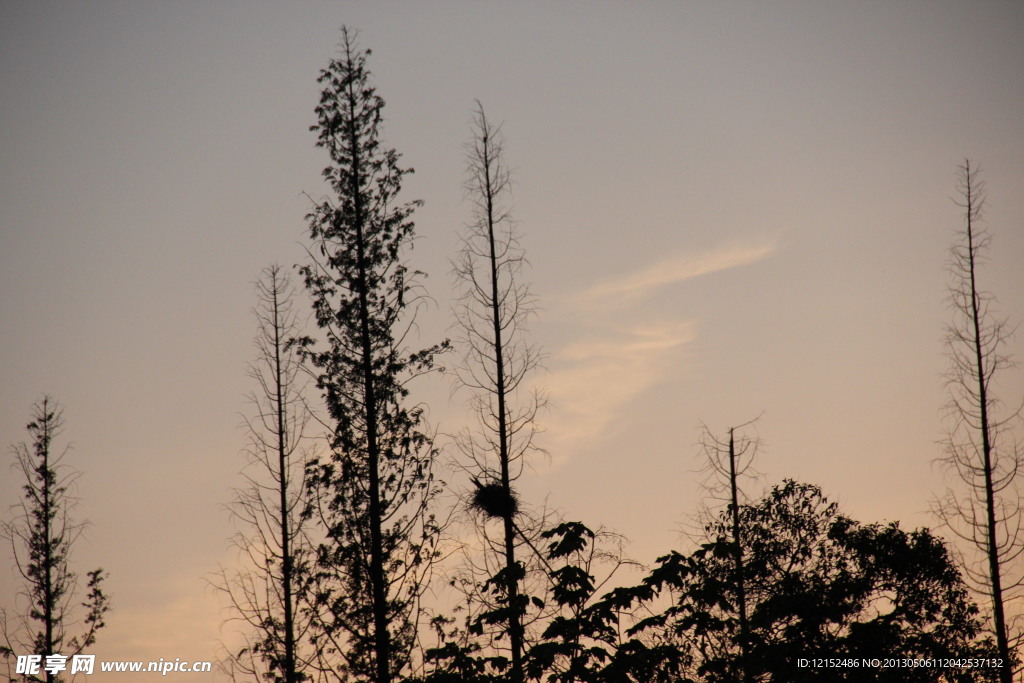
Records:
x=598, y=376
x=618, y=347
x=678, y=268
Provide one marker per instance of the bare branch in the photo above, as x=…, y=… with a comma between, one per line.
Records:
x=985, y=510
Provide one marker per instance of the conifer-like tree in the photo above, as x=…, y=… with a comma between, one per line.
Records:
x=374, y=491
x=986, y=510
x=42, y=536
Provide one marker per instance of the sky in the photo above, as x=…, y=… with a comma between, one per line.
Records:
x=730, y=210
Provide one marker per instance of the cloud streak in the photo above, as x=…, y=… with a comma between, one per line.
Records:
x=685, y=266
x=620, y=347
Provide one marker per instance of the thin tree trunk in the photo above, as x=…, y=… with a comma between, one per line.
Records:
x=741, y=591
x=515, y=624
x=48, y=599
x=282, y=446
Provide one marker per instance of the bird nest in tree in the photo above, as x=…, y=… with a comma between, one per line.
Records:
x=494, y=500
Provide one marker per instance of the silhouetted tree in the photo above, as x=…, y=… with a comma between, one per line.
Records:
x=42, y=536
x=373, y=493
x=818, y=585
x=987, y=512
x=269, y=590
x=496, y=359
x=821, y=585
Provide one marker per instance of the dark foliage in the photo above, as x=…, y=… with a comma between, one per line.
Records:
x=819, y=585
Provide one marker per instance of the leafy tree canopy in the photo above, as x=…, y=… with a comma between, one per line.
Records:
x=819, y=585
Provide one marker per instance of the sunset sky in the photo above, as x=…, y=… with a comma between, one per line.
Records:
x=730, y=209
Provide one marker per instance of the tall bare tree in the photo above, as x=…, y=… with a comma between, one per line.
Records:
x=42, y=536
x=496, y=357
x=269, y=590
x=985, y=510
x=374, y=492
x=728, y=461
